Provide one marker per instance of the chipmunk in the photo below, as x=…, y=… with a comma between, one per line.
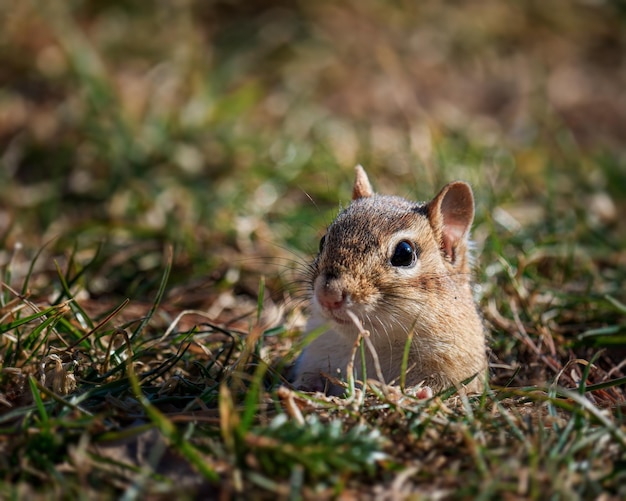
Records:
x=400, y=269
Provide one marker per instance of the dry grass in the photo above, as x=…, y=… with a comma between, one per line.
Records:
x=166, y=170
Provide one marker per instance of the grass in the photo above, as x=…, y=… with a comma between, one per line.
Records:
x=166, y=170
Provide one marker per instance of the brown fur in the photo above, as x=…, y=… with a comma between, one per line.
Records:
x=431, y=297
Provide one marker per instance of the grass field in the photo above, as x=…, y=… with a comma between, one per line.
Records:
x=167, y=168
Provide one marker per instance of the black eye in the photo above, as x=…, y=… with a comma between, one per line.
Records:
x=322, y=241
x=405, y=254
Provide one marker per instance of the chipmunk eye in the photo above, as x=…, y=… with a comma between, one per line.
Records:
x=405, y=254
x=322, y=242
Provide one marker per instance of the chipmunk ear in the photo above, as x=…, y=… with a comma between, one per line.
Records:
x=362, y=187
x=451, y=214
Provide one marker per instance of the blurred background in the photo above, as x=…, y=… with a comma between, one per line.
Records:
x=230, y=129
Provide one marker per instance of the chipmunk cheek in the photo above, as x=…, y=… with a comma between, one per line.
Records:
x=430, y=283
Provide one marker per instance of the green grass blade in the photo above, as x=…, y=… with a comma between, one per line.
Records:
x=41, y=408
x=251, y=402
x=159, y=296
x=619, y=306
x=25, y=320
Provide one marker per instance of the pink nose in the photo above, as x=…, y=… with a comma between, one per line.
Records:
x=330, y=297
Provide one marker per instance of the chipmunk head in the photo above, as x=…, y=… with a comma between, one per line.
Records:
x=383, y=252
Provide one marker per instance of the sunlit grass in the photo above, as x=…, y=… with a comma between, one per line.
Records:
x=166, y=170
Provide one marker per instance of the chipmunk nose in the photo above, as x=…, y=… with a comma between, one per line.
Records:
x=330, y=294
